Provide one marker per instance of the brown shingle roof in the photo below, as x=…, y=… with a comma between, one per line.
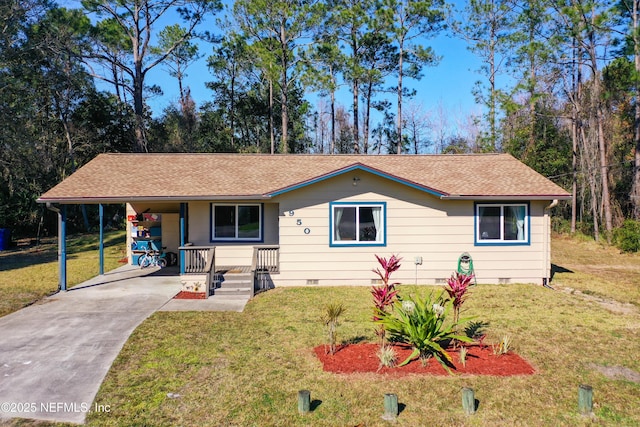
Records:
x=127, y=177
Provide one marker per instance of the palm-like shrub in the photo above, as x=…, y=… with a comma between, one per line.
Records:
x=385, y=294
x=329, y=318
x=457, y=287
x=422, y=324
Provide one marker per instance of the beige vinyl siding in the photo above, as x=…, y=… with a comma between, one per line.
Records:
x=417, y=225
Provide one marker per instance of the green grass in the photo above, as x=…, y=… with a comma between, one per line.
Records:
x=244, y=369
x=596, y=269
x=30, y=272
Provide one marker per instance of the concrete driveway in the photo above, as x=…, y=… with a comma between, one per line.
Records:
x=55, y=354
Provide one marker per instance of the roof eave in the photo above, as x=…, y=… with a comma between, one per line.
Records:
x=518, y=197
x=125, y=199
x=357, y=167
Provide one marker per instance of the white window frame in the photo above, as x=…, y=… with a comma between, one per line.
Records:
x=382, y=233
x=526, y=224
x=236, y=238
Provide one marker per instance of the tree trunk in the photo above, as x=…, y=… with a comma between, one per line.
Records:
x=367, y=118
x=356, y=113
x=333, y=123
x=574, y=179
x=355, y=84
x=284, y=92
x=602, y=145
x=232, y=112
x=138, y=109
x=492, y=89
x=285, y=122
x=272, y=135
x=635, y=187
x=400, y=65
x=577, y=90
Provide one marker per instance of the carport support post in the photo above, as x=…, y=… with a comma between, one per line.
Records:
x=101, y=244
x=183, y=208
x=62, y=246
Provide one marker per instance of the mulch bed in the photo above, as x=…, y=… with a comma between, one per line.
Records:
x=190, y=295
x=480, y=360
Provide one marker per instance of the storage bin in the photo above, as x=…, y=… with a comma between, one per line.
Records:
x=5, y=239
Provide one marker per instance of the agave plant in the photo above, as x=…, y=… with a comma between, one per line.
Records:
x=458, y=285
x=423, y=325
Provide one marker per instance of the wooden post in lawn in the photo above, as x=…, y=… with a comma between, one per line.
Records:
x=468, y=401
x=390, y=407
x=585, y=399
x=304, y=401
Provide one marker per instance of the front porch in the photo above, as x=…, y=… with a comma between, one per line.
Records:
x=199, y=273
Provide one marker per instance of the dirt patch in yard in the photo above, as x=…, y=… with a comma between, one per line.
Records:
x=617, y=372
x=610, y=304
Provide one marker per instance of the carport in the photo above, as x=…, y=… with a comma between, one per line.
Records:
x=59, y=206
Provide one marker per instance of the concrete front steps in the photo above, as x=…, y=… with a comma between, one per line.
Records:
x=233, y=284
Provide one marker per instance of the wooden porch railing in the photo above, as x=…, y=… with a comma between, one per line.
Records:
x=266, y=260
x=197, y=259
x=200, y=260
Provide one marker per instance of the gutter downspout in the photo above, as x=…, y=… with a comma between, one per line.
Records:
x=62, y=245
x=547, y=244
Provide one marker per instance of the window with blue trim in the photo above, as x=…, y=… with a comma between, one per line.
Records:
x=236, y=222
x=358, y=223
x=502, y=223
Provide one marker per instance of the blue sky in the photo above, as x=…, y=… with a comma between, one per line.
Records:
x=447, y=85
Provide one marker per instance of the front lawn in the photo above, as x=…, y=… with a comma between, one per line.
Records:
x=244, y=369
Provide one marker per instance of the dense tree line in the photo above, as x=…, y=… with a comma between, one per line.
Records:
x=559, y=87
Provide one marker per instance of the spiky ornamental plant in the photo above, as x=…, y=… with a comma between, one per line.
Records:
x=457, y=287
x=422, y=324
x=330, y=317
x=385, y=294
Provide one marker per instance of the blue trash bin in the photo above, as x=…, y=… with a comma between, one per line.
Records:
x=5, y=238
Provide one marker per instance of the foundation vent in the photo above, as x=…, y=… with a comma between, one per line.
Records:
x=441, y=281
x=504, y=280
x=312, y=281
x=376, y=281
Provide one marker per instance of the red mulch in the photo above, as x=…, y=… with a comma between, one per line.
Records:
x=480, y=360
x=190, y=295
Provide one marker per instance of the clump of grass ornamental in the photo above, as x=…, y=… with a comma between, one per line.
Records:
x=330, y=318
x=462, y=355
x=388, y=356
x=503, y=347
